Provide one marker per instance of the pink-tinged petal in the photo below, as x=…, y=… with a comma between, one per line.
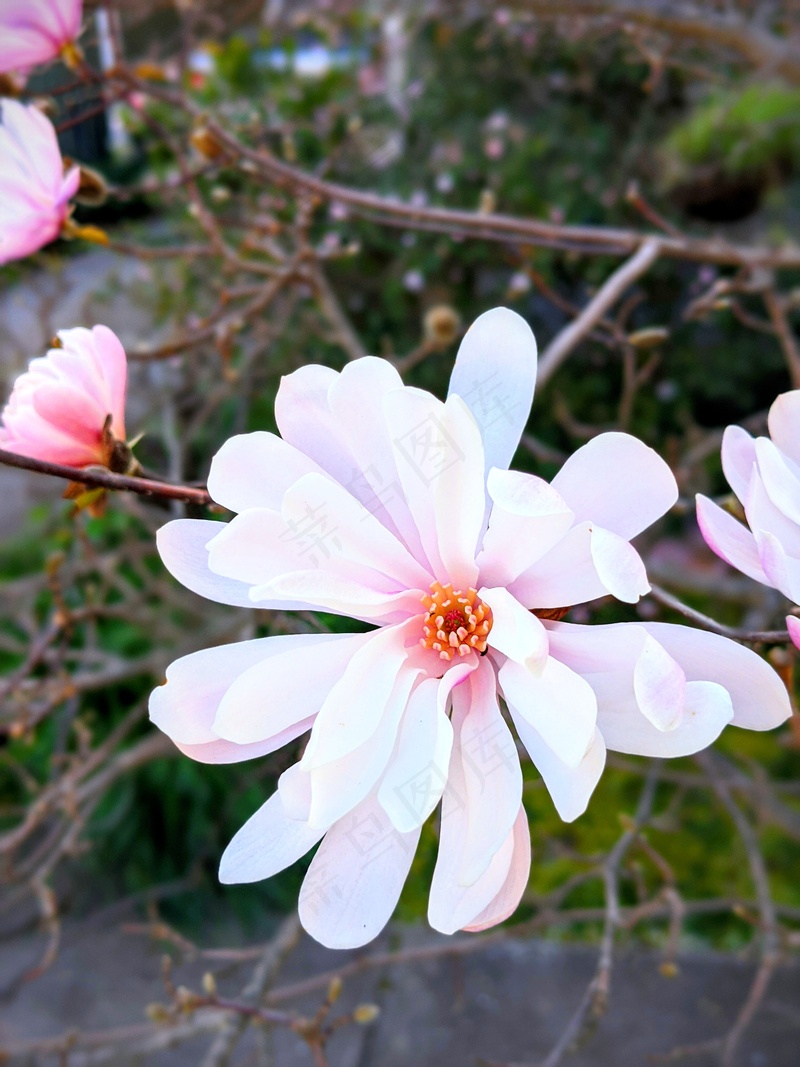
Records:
x=356, y=400
x=305, y=420
x=254, y=470
x=71, y=411
x=417, y=774
x=186, y=705
x=491, y=772
x=781, y=569
x=784, y=418
x=338, y=786
x=659, y=686
x=557, y=702
x=527, y=519
x=570, y=788
x=738, y=457
x=707, y=712
x=459, y=496
x=619, y=566
x=565, y=576
x=182, y=547
x=294, y=786
x=617, y=482
x=780, y=480
x=355, y=878
x=228, y=752
x=515, y=632
x=729, y=539
x=760, y=700
x=353, y=709
x=793, y=626
x=762, y=515
x=267, y=843
x=510, y=894
x=34, y=32
x=495, y=375
x=328, y=592
x=266, y=697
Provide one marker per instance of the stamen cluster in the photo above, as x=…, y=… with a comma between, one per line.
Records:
x=457, y=621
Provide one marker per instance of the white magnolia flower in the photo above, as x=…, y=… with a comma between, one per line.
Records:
x=383, y=503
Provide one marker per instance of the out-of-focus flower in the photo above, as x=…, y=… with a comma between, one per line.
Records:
x=383, y=503
x=34, y=190
x=441, y=325
x=37, y=31
x=764, y=473
x=69, y=406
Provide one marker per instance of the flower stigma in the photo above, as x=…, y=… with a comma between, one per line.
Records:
x=457, y=621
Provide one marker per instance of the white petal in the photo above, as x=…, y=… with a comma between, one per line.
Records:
x=491, y=772
x=515, y=632
x=305, y=420
x=780, y=481
x=507, y=899
x=185, y=707
x=495, y=374
x=355, y=879
x=557, y=702
x=567, y=575
x=228, y=752
x=707, y=711
x=254, y=470
x=781, y=569
x=738, y=457
x=659, y=686
x=569, y=787
x=528, y=518
x=619, y=566
x=329, y=592
x=729, y=539
x=415, y=779
x=287, y=685
x=182, y=547
x=617, y=482
x=353, y=708
x=267, y=843
x=763, y=515
x=760, y=700
x=784, y=418
x=294, y=786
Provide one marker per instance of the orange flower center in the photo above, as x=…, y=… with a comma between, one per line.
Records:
x=457, y=623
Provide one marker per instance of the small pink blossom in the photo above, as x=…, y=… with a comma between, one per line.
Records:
x=37, y=31
x=69, y=406
x=764, y=473
x=385, y=504
x=34, y=190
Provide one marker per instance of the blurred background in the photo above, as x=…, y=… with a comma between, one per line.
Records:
x=401, y=167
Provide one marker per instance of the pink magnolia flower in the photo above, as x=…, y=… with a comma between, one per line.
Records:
x=34, y=190
x=383, y=503
x=36, y=31
x=69, y=406
x=764, y=473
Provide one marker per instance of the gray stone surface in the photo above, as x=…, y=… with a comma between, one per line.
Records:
x=508, y=1003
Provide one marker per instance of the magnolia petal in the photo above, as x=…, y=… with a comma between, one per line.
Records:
x=186, y=705
x=254, y=470
x=353, y=708
x=305, y=420
x=267, y=843
x=729, y=539
x=566, y=575
x=617, y=482
x=294, y=786
x=738, y=458
x=182, y=547
x=516, y=632
x=528, y=518
x=784, y=418
x=659, y=686
x=319, y=591
x=220, y=751
x=570, y=788
x=291, y=682
x=780, y=481
x=355, y=878
x=557, y=702
x=707, y=711
x=490, y=769
x=619, y=566
x=782, y=570
x=507, y=899
x=763, y=516
x=760, y=700
x=417, y=774
x=459, y=496
x=495, y=374
x=793, y=626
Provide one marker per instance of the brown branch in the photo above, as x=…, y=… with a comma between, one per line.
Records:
x=784, y=333
x=753, y=637
x=100, y=478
